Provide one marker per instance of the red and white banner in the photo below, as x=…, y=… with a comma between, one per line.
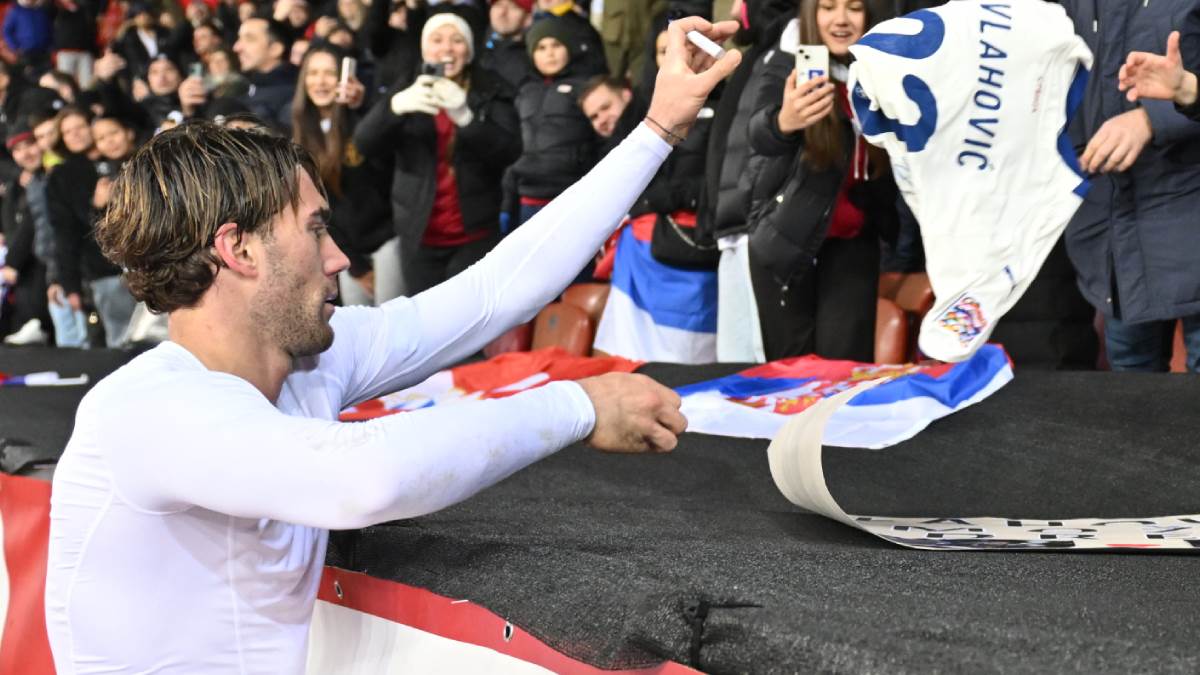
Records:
x=364, y=625
x=25, y=521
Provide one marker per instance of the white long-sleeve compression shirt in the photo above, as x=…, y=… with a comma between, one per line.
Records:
x=189, y=514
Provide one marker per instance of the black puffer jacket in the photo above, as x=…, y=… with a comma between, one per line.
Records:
x=69, y=194
x=559, y=143
x=679, y=183
x=482, y=151
x=360, y=208
x=792, y=203
x=270, y=95
x=732, y=169
x=76, y=29
x=508, y=59
x=680, y=179
x=397, y=53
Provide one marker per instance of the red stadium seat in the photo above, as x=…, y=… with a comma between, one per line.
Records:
x=518, y=339
x=1178, y=351
x=563, y=325
x=591, y=298
x=891, y=333
x=914, y=294
x=889, y=284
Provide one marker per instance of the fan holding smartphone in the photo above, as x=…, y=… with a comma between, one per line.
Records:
x=814, y=250
x=807, y=94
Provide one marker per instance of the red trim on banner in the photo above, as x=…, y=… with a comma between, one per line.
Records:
x=25, y=507
x=462, y=620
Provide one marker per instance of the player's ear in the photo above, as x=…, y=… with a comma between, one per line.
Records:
x=233, y=248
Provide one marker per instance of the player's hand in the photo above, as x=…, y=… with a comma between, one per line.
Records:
x=1118, y=142
x=804, y=104
x=688, y=74
x=1146, y=75
x=633, y=414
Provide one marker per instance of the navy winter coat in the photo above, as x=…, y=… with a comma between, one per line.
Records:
x=1135, y=241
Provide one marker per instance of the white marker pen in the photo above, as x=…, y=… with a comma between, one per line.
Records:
x=711, y=48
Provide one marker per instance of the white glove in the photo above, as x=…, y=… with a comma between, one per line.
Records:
x=418, y=98
x=451, y=98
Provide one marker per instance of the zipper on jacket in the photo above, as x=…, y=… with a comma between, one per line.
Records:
x=787, y=284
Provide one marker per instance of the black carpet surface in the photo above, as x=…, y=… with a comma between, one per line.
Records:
x=612, y=559
x=695, y=557
x=44, y=416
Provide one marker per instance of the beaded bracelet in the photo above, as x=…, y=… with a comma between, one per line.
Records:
x=672, y=138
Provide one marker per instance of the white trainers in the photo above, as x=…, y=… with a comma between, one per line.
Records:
x=30, y=334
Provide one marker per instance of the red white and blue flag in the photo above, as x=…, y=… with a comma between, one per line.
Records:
x=655, y=311
x=46, y=379
x=754, y=403
x=757, y=402
x=498, y=377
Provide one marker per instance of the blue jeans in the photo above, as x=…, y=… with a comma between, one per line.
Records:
x=70, y=326
x=1146, y=347
x=115, y=305
x=527, y=211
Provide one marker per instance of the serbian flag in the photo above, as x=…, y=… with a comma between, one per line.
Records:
x=756, y=403
x=46, y=379
x=657, y=312
x=498, y=377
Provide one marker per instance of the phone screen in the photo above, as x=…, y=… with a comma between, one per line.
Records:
x=811, y=61
x=348, y=67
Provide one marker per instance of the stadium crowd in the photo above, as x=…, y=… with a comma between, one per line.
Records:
x=440, y=127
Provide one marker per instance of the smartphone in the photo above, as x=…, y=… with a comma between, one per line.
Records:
x=196, y=70
x=107, y=168
x=434, y=69
x=811, y=61
x=348, y=69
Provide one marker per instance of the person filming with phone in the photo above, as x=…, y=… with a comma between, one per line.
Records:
x=815, y=226
x=325, y=110
x=453, y=130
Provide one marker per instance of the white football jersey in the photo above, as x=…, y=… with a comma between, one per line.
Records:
x=971, y=100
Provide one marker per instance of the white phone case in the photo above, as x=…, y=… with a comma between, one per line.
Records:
x=811, y=61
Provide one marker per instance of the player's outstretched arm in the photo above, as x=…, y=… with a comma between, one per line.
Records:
x=530, y=267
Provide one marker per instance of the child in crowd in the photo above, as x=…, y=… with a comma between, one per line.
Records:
x=558, y=141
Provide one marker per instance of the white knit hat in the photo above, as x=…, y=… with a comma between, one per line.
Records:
x=449, y=18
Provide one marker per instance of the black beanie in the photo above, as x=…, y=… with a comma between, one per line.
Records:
x=553, y=27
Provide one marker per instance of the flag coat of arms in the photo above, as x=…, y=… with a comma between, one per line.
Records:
x=757, y=402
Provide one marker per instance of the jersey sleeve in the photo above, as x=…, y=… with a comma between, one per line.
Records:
x=211, y=440
x=380, y=350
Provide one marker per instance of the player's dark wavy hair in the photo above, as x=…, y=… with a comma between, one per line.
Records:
x=173, y=195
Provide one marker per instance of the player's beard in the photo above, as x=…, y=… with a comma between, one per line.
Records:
x=291, y=314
